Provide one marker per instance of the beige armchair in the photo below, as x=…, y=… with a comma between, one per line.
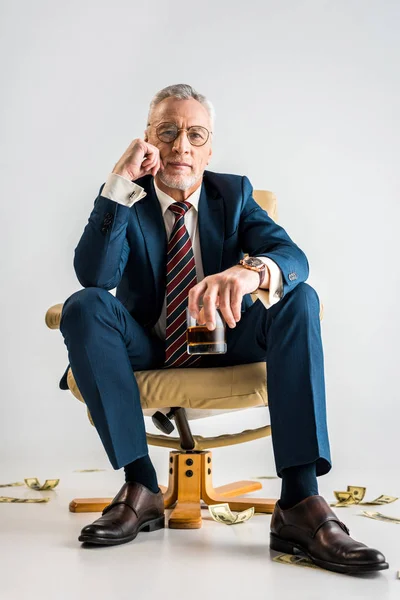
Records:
x=181, y=395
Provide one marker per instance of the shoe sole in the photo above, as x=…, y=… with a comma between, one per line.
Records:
x=287, y=547
x=152, y=525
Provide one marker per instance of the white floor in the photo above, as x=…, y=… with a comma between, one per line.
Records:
x=41, y=556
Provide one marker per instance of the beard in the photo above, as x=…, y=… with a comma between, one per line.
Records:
x=178, y=182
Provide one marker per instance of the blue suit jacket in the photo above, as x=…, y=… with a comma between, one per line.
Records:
x=126, y=248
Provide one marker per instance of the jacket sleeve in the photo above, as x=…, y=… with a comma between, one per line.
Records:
x=260, y=236
x=103, y=250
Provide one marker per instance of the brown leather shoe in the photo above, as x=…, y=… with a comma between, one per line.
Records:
x=313, y=528
x=135, y=508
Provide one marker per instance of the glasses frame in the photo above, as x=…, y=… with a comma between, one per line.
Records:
x=181, y=129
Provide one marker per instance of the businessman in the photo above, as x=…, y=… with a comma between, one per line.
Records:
x=166, y=232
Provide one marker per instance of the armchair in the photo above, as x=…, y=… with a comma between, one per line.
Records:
x=181, y=395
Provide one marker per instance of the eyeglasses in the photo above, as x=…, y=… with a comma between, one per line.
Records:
x=168, y=132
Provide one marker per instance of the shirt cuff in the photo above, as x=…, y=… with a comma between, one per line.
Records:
x=122, y=190
x=275, y=291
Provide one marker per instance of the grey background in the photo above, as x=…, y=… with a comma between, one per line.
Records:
x=306, y=95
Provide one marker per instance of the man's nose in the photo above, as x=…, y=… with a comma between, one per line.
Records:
x=181, y=144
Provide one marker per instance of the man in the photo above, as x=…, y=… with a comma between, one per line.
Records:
x=166, y=233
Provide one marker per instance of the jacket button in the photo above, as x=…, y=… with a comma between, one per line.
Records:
x=109, y=217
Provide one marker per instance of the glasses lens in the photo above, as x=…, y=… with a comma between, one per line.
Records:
x=197, y=135
x=167, y=132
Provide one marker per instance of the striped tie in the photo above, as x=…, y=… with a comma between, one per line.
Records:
x=181, y=276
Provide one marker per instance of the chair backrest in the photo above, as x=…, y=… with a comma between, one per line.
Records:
x=267, y=201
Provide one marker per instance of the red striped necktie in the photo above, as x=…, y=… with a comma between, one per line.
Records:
x=181, y=276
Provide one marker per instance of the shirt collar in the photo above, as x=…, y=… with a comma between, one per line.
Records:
x=166, y=200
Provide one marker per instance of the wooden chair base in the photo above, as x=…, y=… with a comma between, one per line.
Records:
x=190, y=481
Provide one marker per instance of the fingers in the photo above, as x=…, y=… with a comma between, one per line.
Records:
x=158, y=167
x=236, y=303
x=201, y=319
x=193, y=298
x=223, y=294
x=152, y=162
x=225, y=304
x=140, y=158
x=209, y=301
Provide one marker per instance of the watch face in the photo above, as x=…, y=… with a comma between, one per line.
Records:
x=254, y=262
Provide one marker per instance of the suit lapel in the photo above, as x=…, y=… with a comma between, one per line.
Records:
x=210, y=224
x=151, y=222
x=211, y=228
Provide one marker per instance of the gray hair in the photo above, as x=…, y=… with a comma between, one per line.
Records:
x=183, y=92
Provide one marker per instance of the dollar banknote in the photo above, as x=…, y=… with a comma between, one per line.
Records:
x=380, y=517
x=265, y=477
x=223, y=514
x=343, y=499
x=8, y=499
x=381, y=500
x=355, y=495
x=17, y=483
x=358, y=493
x=49, y=484
x=295, y=559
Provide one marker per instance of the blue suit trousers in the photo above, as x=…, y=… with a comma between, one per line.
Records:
x=106, y=345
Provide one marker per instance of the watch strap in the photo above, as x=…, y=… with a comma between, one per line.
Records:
x=261, y=272
x=262, y=275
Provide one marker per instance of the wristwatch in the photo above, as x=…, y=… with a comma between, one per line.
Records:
x=254, y=264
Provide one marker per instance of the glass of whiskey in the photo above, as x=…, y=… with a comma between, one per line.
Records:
x=200, y=339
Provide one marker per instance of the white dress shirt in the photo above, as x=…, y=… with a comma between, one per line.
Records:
x=123, y=191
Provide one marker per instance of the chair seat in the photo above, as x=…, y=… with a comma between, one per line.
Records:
x=228, y=388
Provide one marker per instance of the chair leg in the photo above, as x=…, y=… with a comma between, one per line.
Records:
x=190, y=482
x=238, y=487
x=187, y=473
x=228, y=493
x=171, y=492
x=192, y=474
x=89, y=504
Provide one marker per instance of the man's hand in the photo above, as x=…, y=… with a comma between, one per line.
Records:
x=139, y=159
x=223, y=290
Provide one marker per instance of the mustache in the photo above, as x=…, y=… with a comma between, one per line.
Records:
x=177, y=160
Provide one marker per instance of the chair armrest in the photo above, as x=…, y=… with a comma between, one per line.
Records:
x=53, y=316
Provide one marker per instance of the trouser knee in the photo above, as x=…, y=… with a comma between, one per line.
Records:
x=303, y=294
x=86, y=301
